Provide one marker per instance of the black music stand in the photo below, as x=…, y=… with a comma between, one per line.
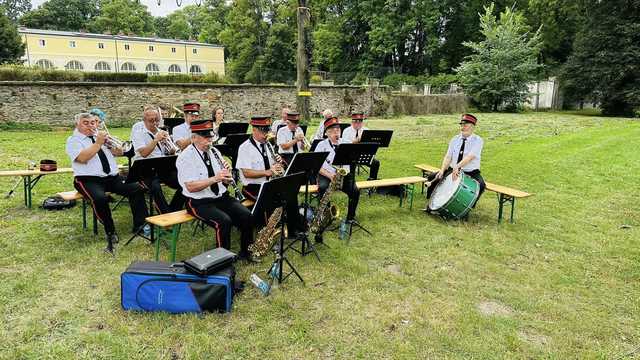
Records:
x=233, y=141
x=314, y=144
x=228, y=128
x=354, y=155
x=380, y=137
x=274, y=194
x=310, y=164
x=304, y=129
x=343, y=126
x=170, y=123
x=144, y=168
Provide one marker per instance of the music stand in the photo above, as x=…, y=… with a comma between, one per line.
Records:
x=343, y=126
x=354, y=155
x=144, y=168
x=310, y=164
x=170, y=123
x=274, y=194
x=234, y=141
x=228, y=128
x=304, y=129
x=380, y=137
x=314, y=144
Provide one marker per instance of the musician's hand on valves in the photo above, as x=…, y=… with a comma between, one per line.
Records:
x=277, y=168
x=161, y=135
x=300, y=137
x=101, y=137
x=268, y=173
x=439, y=174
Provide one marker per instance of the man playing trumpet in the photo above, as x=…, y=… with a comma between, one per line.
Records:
x=96, y=172
x=150, y=142
x=258, y=163
x=203, y=177
x=290, y=138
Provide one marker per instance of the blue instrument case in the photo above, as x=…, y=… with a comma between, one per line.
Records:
x=162, y=286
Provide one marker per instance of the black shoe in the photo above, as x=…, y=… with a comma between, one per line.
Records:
x=114, y=238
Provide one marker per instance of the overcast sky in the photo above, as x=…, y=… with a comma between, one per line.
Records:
x=166, y=6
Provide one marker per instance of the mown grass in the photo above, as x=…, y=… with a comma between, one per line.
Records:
x=562, y=282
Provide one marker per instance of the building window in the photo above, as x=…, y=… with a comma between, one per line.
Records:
x=45, y=64
x=173, y=50
x=126, y=46
x=174, y=69
x=42, y=42
x=152, y=69
x=195, y=51
x=151, y=48
x=100, y=45
x=74, y=65
x=72, y=44
x=128, y=67
x=102, y=66
x=195, y=70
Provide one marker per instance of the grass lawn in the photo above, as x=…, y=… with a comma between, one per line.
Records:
x=562, y=282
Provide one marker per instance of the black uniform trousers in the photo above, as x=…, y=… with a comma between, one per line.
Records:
x=95, y=188
x=348, y=187
x=221, y=213
x=473, y=173
x=374, y=167
x=294, y=222
x=155, y=189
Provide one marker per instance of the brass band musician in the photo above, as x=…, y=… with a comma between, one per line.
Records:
x=182, y=133
x=290, y=138
x=353, y=135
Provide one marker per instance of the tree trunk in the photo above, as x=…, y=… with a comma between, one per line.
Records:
x=303, y=59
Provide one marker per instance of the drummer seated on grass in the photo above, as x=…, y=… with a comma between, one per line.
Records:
x=466, y=149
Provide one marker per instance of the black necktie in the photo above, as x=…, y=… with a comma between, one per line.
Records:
x=158, y=144
x=461, y=153
x=103, y=158
x=210, y=172
x=265, y=159
x=295, y=146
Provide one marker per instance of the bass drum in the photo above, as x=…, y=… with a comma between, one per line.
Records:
x=453, y=199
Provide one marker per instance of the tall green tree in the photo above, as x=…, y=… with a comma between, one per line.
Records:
x=126, y=16
x=605, y=63
x=12, y=47
x=65, y=15
x=501, y=65
x=14, y=8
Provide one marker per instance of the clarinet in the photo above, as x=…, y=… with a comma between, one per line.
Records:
x=277, y=159
x=236, y=190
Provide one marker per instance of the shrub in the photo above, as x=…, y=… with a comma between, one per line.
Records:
x=214, y=78
x=316, y=79
x=171, y=78
x=116, y=77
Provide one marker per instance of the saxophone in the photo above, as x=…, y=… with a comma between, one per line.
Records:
x=327, y=213
x=268, y=235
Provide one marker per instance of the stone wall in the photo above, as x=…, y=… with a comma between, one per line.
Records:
x=55, y=103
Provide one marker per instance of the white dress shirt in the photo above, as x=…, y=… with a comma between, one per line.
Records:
x=325, y=145
x=191, y=167
x=276, y=125
x=349, y=134
x=473, y=146
x=182, y=131
x=250, y=157
x=78, y=142
x=141, y=137
x=284, y=136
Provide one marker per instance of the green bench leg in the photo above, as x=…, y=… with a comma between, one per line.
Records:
x=174, y=233
x=502, y=199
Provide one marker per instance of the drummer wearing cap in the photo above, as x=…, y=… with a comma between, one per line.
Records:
x=353, y=134
x=463, y=154
x=290, y=138
x=328, y=172
x=182, y=133
x=257, y=164
x=203, y=179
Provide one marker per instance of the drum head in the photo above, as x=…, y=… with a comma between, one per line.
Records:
x=444, y=192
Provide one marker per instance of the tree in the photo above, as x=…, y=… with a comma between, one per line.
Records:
x=605, y=63
x=501, y=65
x=12, y=47
x=64, y=15
x=126, y=16
x=14, y=8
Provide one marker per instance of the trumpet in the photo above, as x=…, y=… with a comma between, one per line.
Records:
x=305, y=144
x=236, y=190
x=113, y=142
x=167, y=145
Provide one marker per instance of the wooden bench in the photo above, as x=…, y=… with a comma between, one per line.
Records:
x=505, y=194
x=74, y=195
x=408, y=184
x=169, y=224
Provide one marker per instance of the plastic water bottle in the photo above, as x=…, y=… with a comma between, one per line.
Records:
x=262, y=285
x=344, y=230
x=274, y=272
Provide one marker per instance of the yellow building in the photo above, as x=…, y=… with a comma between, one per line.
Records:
x=118, y=53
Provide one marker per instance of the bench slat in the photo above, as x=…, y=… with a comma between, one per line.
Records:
x=390, y=182
x=170, y=219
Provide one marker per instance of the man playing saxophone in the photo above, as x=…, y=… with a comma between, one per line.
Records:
x=258, y=163
x=290, y=138
x=203, y=178
x=328, y=172
x=150, y=142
